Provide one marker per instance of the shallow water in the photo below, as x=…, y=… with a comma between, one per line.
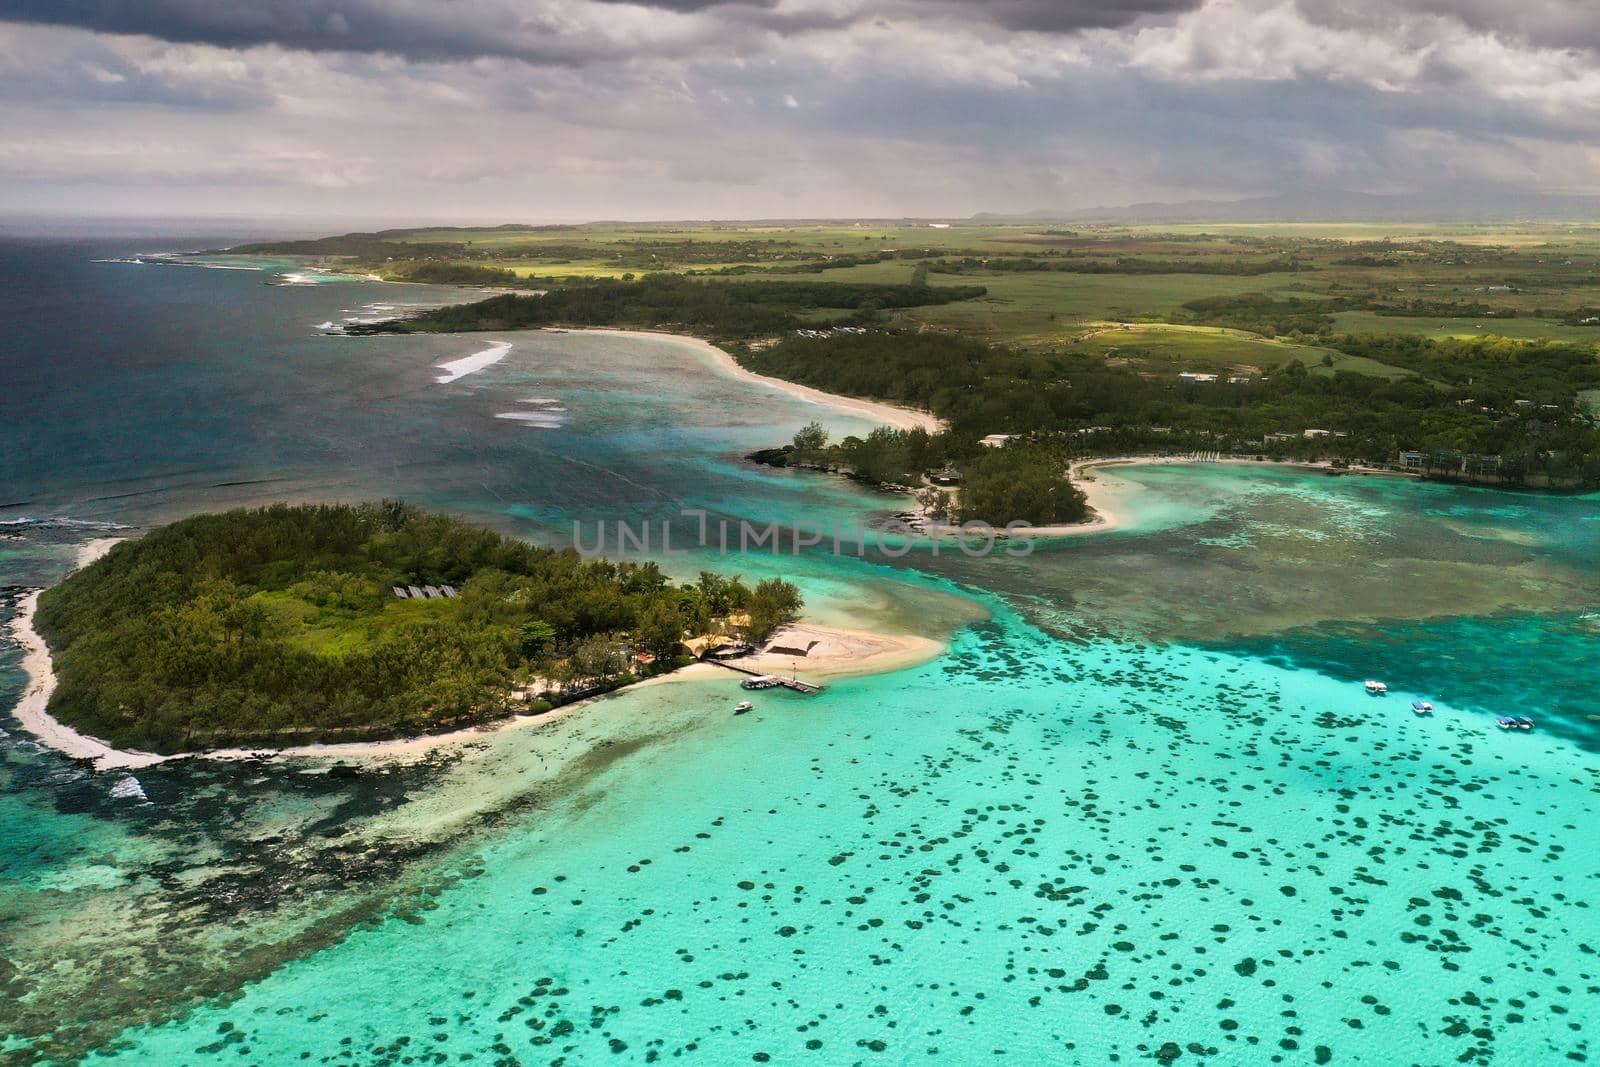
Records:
x=1141, y=810
x=1029, y=848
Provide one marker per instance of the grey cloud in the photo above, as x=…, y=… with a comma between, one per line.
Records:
x=1066, y=16
x=1043, y=16
x=545, y=33
x=1548, y=23
x=416, y=29
x=995, y=102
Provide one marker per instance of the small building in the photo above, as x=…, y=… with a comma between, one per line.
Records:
x=1191, y=376
x=996, y=440
x=1413, y=461
x=947, y=476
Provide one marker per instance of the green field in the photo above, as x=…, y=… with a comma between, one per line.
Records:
x=1038, y=308
x=1466, y=343
x=1215, y=349
x=333, y=631
x=1366, y=322
x=1053, y=286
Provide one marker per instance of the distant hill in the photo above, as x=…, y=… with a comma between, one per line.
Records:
x=1336, y=206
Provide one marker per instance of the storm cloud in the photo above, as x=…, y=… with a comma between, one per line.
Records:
x=541, y=33
x=563, y=109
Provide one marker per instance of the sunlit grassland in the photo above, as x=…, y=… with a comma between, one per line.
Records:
x=1369, y=322
x=1214, y=349
x=334, y=631
x=1499, y=234
x=1049, y=307
x=587, y=268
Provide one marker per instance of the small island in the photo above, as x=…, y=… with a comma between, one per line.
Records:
x=298, y=624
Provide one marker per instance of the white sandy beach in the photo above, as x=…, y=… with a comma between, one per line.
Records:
x=831, y=651
x=886, y=414
x=1101, y=499
x=31, y=710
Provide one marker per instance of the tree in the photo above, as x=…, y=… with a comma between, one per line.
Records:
x=811, y=440
x=1019, y=484
x=596, y=659
x=936, y=502
x=278, y=626
x=660, y=631
x=883, y=457
x=536, y=637
x=773, y=603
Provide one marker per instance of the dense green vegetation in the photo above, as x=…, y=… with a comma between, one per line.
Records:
x=742, y=310
x=1467, y=344
x=433, y=272
x=1019, y=483
x=1023, y=482
x=1068, y=262
x=1518, y=401
x=278, y=626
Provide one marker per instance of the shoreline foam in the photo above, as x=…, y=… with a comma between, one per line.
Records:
x=460, y=368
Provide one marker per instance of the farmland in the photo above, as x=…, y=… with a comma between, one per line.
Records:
x=1470, y=345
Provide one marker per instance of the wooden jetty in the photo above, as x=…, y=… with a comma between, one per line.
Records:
x=788, y=683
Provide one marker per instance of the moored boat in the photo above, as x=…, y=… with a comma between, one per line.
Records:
x=742, y=707
x=1377, y=688
x=1422, y=707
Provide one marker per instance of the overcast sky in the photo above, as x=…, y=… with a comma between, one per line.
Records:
x=539, y=110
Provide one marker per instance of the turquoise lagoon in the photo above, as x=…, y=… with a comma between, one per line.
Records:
x=1140, y=810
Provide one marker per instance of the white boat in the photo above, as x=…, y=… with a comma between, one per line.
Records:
x=742, y=707
x=1377, y=688
x=1422, y=707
